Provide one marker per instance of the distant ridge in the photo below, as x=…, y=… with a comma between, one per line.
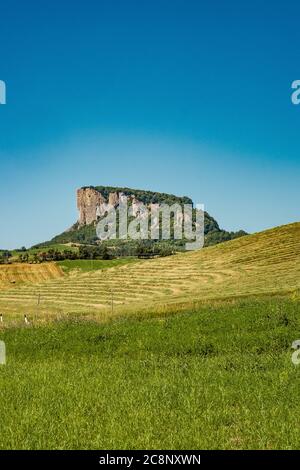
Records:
x=90, y=197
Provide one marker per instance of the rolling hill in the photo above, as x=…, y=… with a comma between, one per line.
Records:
x=19, y=273
x=263, y=263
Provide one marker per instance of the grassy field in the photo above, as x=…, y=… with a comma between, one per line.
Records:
x=260, y=264
x=185, y=352
x=217, y=377
x=85, y=265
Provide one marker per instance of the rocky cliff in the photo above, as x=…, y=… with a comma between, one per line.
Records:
x=90, y=200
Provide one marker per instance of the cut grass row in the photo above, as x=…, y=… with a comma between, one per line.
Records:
x=19, y=273
x=264, y=263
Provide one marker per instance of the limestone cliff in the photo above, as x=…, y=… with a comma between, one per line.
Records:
x=90, y=200
x=91, y=203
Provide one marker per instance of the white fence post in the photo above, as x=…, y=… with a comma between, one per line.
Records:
x=2, y=353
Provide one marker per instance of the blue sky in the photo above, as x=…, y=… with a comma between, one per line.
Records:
x=187, y=97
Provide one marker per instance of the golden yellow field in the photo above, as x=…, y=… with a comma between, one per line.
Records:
x=263, y=263
x=11, y=274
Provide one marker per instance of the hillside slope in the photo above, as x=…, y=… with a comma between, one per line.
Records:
x=19, y=273
x=263, y=263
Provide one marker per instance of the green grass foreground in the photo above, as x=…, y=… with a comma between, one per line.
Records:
x=218, y=377
x=86, y=265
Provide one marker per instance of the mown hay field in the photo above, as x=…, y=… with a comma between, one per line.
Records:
x=20, y=273
x=259, y=264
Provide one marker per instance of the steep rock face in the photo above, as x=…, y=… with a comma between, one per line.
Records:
x=113, y=199
x=91, y=204
x=88, y=200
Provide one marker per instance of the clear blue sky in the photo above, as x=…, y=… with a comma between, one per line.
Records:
x=187, y=97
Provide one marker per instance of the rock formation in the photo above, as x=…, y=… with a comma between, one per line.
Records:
x=91, y=203
x=88, y=200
